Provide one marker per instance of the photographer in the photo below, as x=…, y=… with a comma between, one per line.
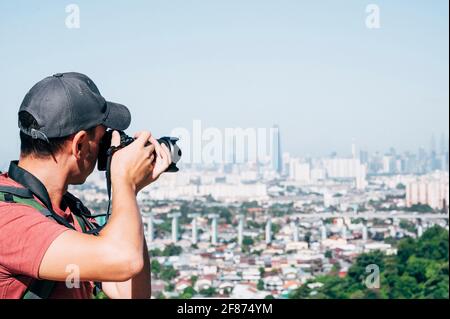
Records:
x=62, y=121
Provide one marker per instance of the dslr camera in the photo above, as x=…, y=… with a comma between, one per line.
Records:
x=125, y=140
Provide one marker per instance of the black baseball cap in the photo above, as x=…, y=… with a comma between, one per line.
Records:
x=66, y=103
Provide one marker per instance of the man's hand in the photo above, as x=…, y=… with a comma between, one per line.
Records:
x=141, y=162
x=162, y=160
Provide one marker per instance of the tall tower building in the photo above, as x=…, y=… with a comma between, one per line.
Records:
x=194, y=227
x=230, y=148
x=323, y=232
x=354, y=155
x=149, y=229
x=241, y=229
x=364, y=157
x=268, y=230
x=295, y=233
x=214, y=237
x=433, y=144
x=419, y=231
x=443, y=144
x=174, y=217
x=365, y=234
x=277, y=161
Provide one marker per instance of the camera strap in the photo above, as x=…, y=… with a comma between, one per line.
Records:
x=109, y=155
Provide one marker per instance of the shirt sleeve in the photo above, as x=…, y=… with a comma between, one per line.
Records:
x=25, y=236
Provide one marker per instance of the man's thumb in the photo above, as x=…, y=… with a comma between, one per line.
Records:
x=115, y=139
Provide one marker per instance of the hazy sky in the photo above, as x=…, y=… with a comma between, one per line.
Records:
x=312, y=67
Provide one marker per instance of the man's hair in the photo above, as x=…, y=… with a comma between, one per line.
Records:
x=37, y=147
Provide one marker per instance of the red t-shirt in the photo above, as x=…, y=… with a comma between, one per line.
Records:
x=25, y=236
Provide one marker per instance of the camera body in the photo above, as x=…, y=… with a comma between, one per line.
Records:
x=125, y=140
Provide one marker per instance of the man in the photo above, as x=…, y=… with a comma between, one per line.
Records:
x=62, y=120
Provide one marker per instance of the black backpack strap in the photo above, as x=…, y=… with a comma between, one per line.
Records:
x=82, y=214
x=24, y=197
x=39, y=289
x=42, y=289
x=38, y=189
x=97, y=288
x=20, y=192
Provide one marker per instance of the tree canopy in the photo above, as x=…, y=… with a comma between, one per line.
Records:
x=418, y=271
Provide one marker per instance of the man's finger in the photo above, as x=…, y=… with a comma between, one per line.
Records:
x=143, y=138
x=158, y=148
x=150, y=149
x=115, y=141
x=136, y=135
x=167, y=156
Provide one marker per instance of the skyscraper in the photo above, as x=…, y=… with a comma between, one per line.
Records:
x=364, y=157
x=174, y=217
x=214, y=237
x=269, y=230
x=443, y=144
x=230, y=149
x=277, y=161
x=433, y=144
x=241, y=229
x=354, y=156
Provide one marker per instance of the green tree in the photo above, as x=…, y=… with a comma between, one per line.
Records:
x=406, y=248
x=172, y=250
x=160, y=295
x=260, y=285
x=275, y=229
x=188, y=293
x=417, y=267
x=421, y=208
x=308, y=237
x=400, y=186
x=419, y=270
x=155, y=252
x=170, y=287
x=208, y=292
x=247, y=241
x=357, y=272
x=168, y=273
x=165, y=227
x=406, y=286
x=155, y=267
x=262, y=271
x=433, y=244
x=194, y=280
x=225, y=214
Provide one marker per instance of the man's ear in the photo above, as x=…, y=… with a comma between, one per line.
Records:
x=79, y=144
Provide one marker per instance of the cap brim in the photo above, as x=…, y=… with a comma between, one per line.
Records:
x=119, y=117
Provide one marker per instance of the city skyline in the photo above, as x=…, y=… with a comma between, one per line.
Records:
x=440, y=148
